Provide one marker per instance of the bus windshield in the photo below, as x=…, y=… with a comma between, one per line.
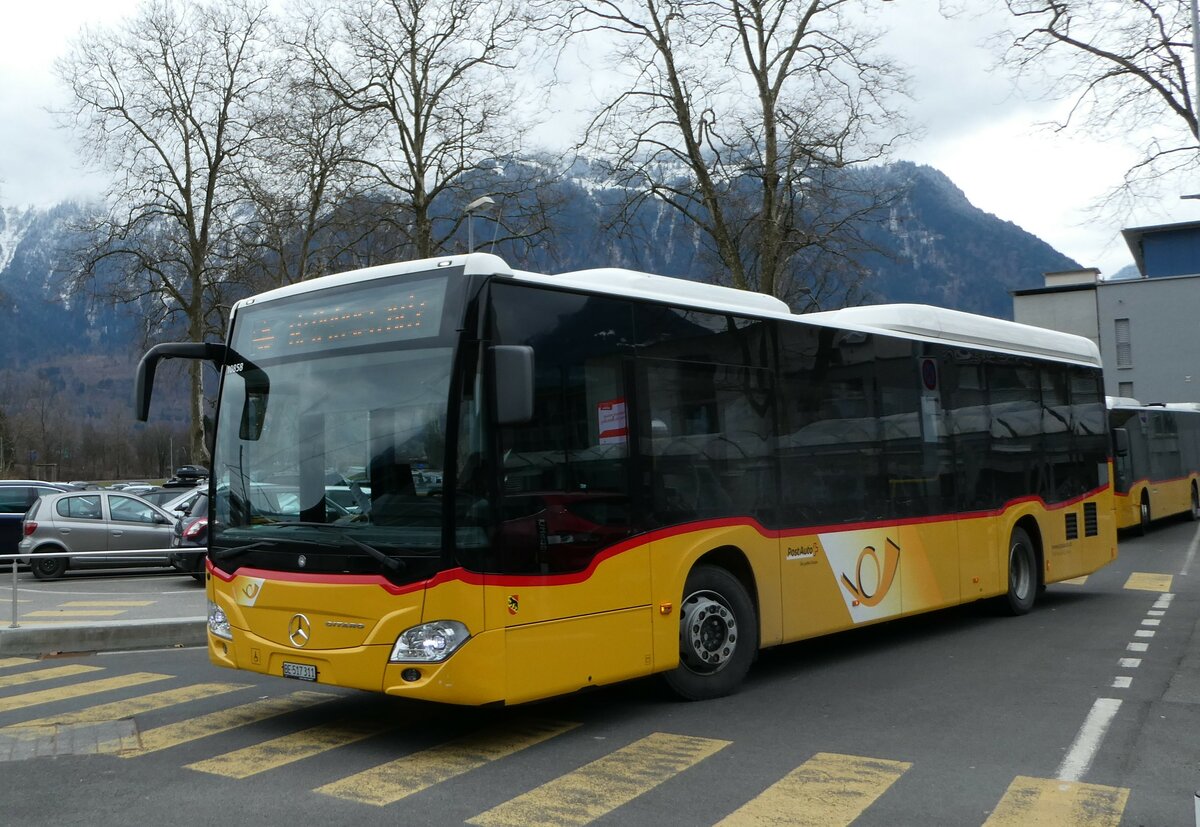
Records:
x=332, y=432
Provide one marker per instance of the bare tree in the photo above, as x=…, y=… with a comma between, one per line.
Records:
x=302, y=174
x=739, y=114
x=1126, y=68
x=434, y=83
x=164, y=100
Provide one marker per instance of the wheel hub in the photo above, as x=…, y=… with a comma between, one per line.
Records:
x=708, y=632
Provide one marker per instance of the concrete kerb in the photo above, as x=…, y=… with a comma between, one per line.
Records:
x=103, y=636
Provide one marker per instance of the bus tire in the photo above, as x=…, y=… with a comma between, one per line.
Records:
x=1144, y=517
x=718, y=635
x=1194, y=514
x=1022, y=573
x=48, y=568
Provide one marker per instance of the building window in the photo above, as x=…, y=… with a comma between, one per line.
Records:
x=1125, y=389
x=1124, y=344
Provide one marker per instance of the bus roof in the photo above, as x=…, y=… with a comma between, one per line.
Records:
x=907, y=320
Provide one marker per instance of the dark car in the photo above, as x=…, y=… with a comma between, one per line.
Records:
x=16, y=496
x=187, y=476
x=189, y=540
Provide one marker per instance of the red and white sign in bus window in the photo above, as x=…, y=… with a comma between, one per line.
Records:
x=614, y=429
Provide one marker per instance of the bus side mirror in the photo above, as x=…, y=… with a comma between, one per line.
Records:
x=512, y=374
x=1121, y=441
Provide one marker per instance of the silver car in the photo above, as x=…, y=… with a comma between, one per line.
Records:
x=94, y=521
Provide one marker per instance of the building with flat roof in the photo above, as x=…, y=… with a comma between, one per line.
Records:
x=1147, y=328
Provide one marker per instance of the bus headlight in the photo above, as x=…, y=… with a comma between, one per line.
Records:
x=429, y=642
x=218, y=623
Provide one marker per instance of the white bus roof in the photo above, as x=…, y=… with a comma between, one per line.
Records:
x=907, y=320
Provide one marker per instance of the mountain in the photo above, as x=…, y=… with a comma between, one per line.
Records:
x=940, y=249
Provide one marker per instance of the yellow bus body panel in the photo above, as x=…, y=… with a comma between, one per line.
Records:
x=1167, y=498
x=537, y=636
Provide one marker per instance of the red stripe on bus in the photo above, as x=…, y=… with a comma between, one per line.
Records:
x=519, y=580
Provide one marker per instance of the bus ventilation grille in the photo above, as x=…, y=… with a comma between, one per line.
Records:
x=1072, y=526
x=1091, y=522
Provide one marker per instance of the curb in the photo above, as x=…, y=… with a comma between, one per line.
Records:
x=104, y=636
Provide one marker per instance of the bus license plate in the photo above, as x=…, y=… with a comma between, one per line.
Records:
x=300, y=671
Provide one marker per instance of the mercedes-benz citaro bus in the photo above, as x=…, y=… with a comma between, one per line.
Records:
x=562, y=481
x=1157, y=461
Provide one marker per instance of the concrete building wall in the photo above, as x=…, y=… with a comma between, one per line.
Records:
x=1161, y=318
x=1070, y=312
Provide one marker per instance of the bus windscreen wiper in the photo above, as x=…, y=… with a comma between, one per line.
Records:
x=392, y=564
x=234, y=551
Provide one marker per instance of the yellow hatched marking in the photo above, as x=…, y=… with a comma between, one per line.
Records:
x=582, y=796
x=47, y=675
x=78, y=690
x=213, y=723
x=277, y=752
x=406, y=776
x=117, y=710
x=1076, y=581
x=1149, y=582
x=824, y=791
x=1045, y=802
x=76, y=613
x=8, y=663
x=79, y=604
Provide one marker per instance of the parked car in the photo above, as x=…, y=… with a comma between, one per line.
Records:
x=189, y=539
x=172, y=500
x=94, y=521
x=187, y=476
x=16, y=497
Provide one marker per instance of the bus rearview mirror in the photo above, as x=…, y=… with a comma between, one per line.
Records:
x=512, y=375
x=1121, y=441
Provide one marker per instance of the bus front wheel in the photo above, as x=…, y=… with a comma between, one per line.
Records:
x=718, y=635
x=1195, y=513
x=1144, y=515
x=1022, y=573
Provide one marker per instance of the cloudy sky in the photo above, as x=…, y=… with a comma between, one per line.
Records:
x=977, y=129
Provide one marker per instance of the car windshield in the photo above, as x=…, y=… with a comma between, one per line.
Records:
x=336, y=451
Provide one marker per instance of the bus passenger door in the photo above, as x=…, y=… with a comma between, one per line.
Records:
x=567, y=584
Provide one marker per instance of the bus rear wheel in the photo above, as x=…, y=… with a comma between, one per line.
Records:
x=718, y=635
x=1195, y=512
x=1143, y=515
x=1022, y=573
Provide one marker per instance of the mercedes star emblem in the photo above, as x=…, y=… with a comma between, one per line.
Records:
x=299, y=630
x=301, y=561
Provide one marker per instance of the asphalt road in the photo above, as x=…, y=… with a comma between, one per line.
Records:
x=1085, y=712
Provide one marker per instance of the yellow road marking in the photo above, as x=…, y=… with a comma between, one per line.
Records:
x=277, y=752
x=406, y=776
x=1149, y=582
x=824, y=791
x=76, y=613
x=117, y=710
x=7, y=663
x=78, y=690
x=77, y=604
x=47, y=674
x=582, y=796
x=1076, y=581
x=223, y=720
x=1034, y=802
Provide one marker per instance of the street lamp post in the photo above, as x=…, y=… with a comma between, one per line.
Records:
x=478, y=205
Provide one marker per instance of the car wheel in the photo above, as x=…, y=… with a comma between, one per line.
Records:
x=718, y=635
x=48, y=568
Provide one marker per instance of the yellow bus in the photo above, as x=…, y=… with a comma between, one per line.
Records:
x=1157, y=461
x=547, y=483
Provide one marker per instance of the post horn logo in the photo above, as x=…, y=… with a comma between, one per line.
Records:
x=872, y=594
x=299, y=630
